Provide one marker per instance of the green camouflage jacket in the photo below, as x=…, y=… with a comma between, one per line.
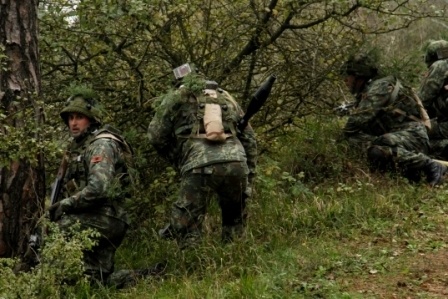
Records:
x=432, y=92
x=170, y=132
x=97, y=175
x=384, y=107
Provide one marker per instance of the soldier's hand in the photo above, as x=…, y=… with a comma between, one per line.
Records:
x=55, y=211
x=58, y=209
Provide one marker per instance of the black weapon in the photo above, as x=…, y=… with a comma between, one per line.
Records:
x=258, y=99
x=35, y=239
x=57, y=185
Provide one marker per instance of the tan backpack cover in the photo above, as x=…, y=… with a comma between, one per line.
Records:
x=214, y=130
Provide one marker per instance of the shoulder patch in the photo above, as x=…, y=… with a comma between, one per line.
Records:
x=96, y=159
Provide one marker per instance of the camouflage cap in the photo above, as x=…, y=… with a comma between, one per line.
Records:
x=83, y=101
x=363, y=65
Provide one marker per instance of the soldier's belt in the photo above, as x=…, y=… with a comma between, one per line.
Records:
x=201, y=135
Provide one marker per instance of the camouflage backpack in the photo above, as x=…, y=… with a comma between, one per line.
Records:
x=209, y=113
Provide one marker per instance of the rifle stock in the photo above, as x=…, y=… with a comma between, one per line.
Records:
x=257, y=100
x=57, y=185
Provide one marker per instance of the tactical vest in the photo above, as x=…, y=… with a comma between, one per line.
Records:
x=78, y=170
x=212, y=115
x=403, y=106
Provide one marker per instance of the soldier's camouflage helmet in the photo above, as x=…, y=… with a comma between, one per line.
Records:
x=363, y=65
x=85, y=101
x=436, y=50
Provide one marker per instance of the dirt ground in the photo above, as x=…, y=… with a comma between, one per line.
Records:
x=425, y=275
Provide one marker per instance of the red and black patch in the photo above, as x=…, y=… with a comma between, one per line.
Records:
x=96, y=159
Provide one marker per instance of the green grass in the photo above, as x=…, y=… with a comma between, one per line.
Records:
x=331, y=230
x=307, y=237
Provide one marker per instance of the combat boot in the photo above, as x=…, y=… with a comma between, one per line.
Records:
x=434, y=172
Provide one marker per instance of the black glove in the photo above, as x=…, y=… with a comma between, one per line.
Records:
x=55, y=211
x=58, y=209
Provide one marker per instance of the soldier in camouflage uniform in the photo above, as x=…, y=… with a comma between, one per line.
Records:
x=96, y=182
x=225, y=166
x=434, y=94
x=389, y=123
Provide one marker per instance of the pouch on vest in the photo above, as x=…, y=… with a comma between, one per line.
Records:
x=214, y=129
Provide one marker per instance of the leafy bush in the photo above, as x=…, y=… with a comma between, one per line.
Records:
x=59, y=270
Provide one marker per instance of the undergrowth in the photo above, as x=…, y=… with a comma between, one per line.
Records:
x=318, y=220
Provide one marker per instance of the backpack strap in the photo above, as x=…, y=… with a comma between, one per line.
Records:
x=237, y=108
x=123, y=143
x=424, y=118
x=423, y=113
x=395, y=91
x=128, y=152
x=107, y=135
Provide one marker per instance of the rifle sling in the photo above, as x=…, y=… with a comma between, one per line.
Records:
x=395, y=91
x=423, y=114
x=410, y=116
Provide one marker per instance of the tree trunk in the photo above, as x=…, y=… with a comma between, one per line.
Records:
x=22, y=179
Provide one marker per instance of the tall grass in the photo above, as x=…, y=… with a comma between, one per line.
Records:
x=317, y=216
x=317, y=213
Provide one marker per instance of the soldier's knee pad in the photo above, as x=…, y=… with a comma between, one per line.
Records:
x=379, y=158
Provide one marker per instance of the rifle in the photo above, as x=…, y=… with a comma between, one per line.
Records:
x=57, y=185
x=258, y=99
x=35, y=239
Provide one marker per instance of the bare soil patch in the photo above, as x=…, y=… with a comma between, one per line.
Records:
x=422, y=275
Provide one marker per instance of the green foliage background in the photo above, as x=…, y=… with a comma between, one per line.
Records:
x=126, y=50
x=309, y=186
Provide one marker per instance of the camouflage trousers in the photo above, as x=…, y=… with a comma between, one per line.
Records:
x=407, y=149
x=438, y=138
x=226, y=180
x=98, y=262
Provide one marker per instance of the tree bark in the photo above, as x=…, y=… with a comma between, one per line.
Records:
x=22, y=179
